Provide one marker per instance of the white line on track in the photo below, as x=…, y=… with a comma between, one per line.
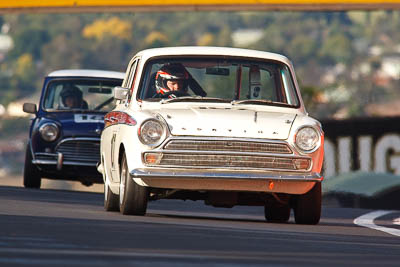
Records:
x=367, y=220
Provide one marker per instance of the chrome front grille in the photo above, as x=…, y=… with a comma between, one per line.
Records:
x=87, y=151
x=228, y=161
x=226, y=145
x=45, y=156
x=231, y=154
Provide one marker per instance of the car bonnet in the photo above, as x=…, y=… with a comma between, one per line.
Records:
x=227, y=122
x=79, y=124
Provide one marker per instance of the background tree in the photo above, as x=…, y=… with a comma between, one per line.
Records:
x=329, y=49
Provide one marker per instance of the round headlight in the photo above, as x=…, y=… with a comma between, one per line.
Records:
x=152, y=133
x=49, y=132
x=307, y=139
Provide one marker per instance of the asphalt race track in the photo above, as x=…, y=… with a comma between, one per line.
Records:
x=67, y=228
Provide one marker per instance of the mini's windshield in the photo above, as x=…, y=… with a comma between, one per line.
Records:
x=80, y=94
x=223, y=79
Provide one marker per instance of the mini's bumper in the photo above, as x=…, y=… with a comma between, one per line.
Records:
x=58, y=160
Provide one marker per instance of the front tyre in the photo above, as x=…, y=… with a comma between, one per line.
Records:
x=277, y=213
x=132, y=197
x=32, y=176
x=307, y=207
x=111, y=200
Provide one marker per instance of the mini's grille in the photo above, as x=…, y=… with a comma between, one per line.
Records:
x=42, y=156
x=80, y=150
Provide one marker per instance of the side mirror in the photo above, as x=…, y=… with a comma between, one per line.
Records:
x=120, y=93
x=29, y=108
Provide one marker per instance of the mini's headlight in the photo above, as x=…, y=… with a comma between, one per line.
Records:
x=152, y=133
x=49, y=131
x=307, y=139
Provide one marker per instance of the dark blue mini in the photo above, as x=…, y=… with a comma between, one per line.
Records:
x=64, y=135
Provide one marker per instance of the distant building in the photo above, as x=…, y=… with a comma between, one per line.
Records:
x=6, y=43
x=245, y=37
x=2, y=110
x=14, y=109
x=391, y=66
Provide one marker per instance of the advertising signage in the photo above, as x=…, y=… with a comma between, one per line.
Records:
x=362, y=144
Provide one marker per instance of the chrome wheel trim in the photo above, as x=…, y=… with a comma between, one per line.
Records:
x=105, y=192
x=122, y=184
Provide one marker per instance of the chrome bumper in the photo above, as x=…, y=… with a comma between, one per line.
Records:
x=58, y=160
x=54, y=162
x=218, y=174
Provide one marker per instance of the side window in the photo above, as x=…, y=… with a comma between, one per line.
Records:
x=131, y=78
x=290, y=89
x=132, y=73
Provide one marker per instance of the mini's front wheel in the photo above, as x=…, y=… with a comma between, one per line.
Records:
x=32, y=176
x=132, y=197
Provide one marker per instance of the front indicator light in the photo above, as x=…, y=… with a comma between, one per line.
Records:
x=152, y=158
x=302, y=164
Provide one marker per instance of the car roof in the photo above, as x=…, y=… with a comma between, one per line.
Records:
x=87, y=73
x=212, y=51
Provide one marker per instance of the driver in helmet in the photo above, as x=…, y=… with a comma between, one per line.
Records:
x=71, y=97
x=171, y=81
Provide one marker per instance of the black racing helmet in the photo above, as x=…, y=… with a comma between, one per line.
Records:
x=171, y=72
x=70, y=91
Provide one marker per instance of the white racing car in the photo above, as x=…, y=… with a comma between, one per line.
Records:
x=223, y=125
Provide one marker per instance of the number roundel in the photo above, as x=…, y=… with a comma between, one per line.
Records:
x=116, y=117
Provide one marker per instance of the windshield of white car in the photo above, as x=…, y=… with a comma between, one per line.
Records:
x=80, y=94
x=218, y=79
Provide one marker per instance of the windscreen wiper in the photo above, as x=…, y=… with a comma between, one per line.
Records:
x=259, y=102
x=194, y=99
